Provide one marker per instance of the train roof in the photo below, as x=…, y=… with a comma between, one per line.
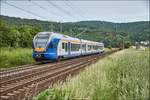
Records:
x=69, y=38
x=91, y=42
x=60, y=36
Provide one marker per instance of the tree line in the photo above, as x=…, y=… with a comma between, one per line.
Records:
x=17, y=32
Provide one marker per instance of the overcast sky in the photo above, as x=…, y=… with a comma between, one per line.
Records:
x=70, y=11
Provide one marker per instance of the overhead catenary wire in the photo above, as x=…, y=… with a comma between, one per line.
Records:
x=69, y=4
x=49, y=12
x=40, y=6
x=45, y=9
x=32, y=13
x=62, y=10
x=51, y=3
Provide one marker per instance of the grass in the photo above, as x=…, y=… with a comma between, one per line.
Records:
x=10, y=57
x=123, y=76
x=107, y=49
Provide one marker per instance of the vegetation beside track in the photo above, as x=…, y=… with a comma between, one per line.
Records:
x=10, y=57
x=123, y=75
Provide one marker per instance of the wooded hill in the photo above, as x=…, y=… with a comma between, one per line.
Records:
x=112, y=34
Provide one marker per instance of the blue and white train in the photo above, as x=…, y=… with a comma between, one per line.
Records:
x=53, y=46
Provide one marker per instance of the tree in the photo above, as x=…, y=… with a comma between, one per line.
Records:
x=127, y=44
x=25, y=36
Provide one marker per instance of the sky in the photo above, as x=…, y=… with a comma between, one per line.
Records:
x=72, y=11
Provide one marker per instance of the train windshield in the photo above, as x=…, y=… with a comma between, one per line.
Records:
x=41, y=40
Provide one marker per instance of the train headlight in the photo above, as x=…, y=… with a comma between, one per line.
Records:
x=39, y=49
x=38, y=55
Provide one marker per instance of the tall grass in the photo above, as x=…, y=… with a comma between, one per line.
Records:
x=10, y=57
x=121, y=76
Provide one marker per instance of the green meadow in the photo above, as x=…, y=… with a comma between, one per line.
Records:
x=121, y=76
x=11, y=57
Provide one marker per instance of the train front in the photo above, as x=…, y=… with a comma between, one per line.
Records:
x=43, y=47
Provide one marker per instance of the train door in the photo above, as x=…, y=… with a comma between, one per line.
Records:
x=65, y=48
x=69, y=48
x=81, y=48
x=84, y=48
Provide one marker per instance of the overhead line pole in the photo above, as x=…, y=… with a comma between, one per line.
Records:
x=62, y=10
x=78, y=13
x=51, y=28
x=81, y=33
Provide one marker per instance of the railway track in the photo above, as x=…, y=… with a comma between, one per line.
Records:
x=24, y=83
x=9, y=74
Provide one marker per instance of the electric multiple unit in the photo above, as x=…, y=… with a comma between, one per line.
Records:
x=54, y=46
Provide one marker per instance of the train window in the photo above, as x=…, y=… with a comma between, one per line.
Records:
x=89, y=47
x=66, y=47
x=63, y=45
x=41, y=40
x=51, y=45
x=95, y=47
x=100, y=47
x=83, y=46
x=54, y=45
x=75, y=47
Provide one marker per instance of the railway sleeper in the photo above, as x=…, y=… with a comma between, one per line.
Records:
x=4, y=97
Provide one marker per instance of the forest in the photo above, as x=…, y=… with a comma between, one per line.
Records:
x=19, y=32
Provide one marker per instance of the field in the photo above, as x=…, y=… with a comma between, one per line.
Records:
x=10, y=57
x=123, y=75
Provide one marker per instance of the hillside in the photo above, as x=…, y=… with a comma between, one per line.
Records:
x=131, y=27
x=107, y=32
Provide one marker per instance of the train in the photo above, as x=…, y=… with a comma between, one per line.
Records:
x=54, y=46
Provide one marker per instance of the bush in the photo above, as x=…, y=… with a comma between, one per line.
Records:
x=109, y=47
x=127, y=44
